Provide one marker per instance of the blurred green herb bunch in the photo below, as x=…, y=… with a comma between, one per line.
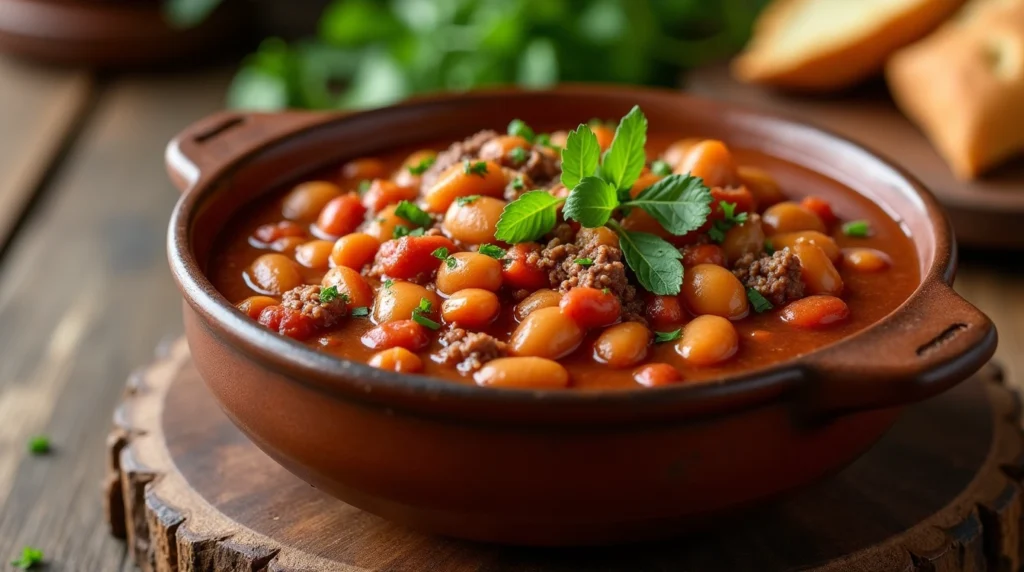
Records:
x=374, y=52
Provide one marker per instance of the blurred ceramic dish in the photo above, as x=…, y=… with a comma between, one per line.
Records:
x=547, y=467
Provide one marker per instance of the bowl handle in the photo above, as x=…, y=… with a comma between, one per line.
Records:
x=215, y=142
x=937, y=340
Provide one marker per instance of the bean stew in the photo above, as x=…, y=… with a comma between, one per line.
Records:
x=599, y=258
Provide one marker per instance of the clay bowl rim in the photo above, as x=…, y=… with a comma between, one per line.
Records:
x=349, y=379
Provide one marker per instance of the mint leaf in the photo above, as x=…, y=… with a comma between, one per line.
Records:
x=580, y=156
x=529, y=217
x=654, y=261
x=591, y=202
x=626, y=156
x=681, y=203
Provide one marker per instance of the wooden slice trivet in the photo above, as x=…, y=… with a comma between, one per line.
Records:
x=940, y=492
x=985, y=213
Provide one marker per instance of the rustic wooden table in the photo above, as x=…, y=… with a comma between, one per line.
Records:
x=85, y=293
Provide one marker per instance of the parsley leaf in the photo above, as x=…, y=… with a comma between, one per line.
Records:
x=29, y=558
x=626, y=156
x=591, y=202
x=360, y=312
x=413, y=214
x=419, y=315
x=329, y=294
x=584, y=261
x=493, y=251
x=422, y=166
x=529, y=217
x=463, y=201
x=661, y=168
x=662, y=337
x=654, y=261
x=442, y=254
x=475, y=168
x=720, y=227
x=857, y=228
x=402, y=230
x=580, y=156
x=760, y=303
x=519, y=128
x=39, y=445
x=681, y=203
x=518, y=155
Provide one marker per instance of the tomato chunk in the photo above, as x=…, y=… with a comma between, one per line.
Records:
x=410, y=256
x=383, y=192
x=822, y=208
x=519, y=273
x=590, y=307
x=341, y=215
x=815, y=311
x=289, y=322
x=398, y=334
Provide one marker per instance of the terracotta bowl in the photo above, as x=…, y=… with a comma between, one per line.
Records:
x=556, y=467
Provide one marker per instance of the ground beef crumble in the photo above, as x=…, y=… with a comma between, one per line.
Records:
x=607, y=270
x=775, y=276
x=306, y=299
x=540, y=169
x=469, y=351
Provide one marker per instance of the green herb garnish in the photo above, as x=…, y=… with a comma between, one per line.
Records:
x=760, y=303
x=442, y=254
x=422, y=166
x=475, y=168
x=584, y=261
x=718, y=230
x=419, y=315
x=29, y=558
x=402, y=230
x=519, y=128
x=518, y=184
x=518, y=155
x=768, y=246
x=528, y=218
x=39, y=445
x=580, y=156
x=493, y=251
x=413, y=214
x=662, y=337
x=364, y=186
x=545, y=140
x=329, y=294
x=360, y=312
x=463, y=201
x=661, y=168
x=857, y=228
x=388, y=283
x=600, y=187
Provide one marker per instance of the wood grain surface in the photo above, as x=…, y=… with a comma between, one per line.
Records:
x=193, y=494
x=85, y=293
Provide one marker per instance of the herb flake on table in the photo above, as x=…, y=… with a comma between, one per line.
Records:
x=39, y=445
x=30, y=558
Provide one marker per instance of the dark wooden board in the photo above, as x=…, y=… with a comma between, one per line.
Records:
x=986, y=212
x=940, y=492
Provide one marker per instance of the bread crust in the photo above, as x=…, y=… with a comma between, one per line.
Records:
x=839, y=66
x=964, y=87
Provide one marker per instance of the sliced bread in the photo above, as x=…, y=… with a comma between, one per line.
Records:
x=824, y=45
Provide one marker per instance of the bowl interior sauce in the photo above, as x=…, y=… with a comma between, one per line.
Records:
x=764, y=338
